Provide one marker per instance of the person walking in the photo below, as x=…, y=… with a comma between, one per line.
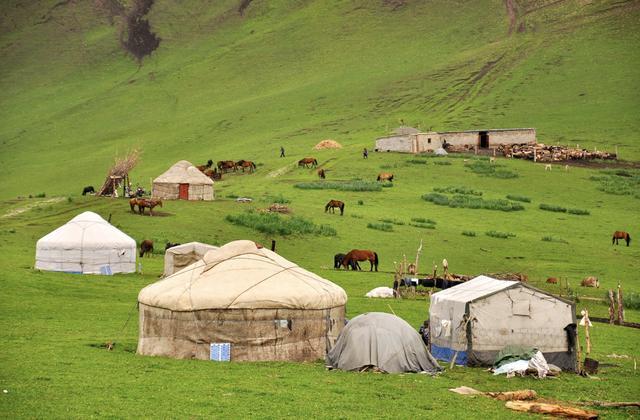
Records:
x=281, y=151
x=365, y=153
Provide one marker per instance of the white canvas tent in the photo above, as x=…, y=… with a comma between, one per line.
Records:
x=265, y=307
x=183, y=181
x=178, y=257
x=473, y=321
x=87, y=244
x=383, y=341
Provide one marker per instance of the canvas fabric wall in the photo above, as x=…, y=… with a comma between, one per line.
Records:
x=167, y=185
x=87, y=244
x=178, y=257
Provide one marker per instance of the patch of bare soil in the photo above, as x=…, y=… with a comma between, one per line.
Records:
x=394, y=4
x=30, y=206
x=244, y=4
x=140, y=41
x=512, y=13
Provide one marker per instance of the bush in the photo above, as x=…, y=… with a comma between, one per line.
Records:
x=486, y=168
x=423, y=220
x=501, y=235
x=469, y=233
x=360, y=203
x=274, y=223
x=521, y=198
x=69, y=199
x=423, y=225
x=619, y=182
x=457, y=190
x=392, y=221
x=387, y=184
x=435, y=198
x=629, y=300
x=356, y=216
x=39, y=195
x=553, y=239
x=234, y=196
x=471, y=202
x=550, y=207
x=341, y=186
x=579, y=212
x=417, y=161
x=385, y=227
x=280, y=199
x=442, y=162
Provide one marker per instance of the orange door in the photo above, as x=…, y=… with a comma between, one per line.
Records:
x=184, y=192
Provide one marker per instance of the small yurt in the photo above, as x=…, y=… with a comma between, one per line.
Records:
x=246, y=300
x=183, y=181
x=178, y=257
x=381, y=341
x=87, y=244
x=473, y=321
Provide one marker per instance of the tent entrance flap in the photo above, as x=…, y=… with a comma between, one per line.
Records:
x=184, y=192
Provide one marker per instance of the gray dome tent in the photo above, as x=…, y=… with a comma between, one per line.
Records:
x=384, y=341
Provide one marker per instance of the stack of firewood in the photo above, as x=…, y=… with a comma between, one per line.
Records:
x=548, y=153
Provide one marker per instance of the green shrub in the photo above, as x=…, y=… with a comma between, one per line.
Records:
x=392, y=221
x=385, y=227
x=553, y=239
x=357, y=216
x=442, y=162
x=501, y=235
x=619, y=182
x=232, y=195
x=469, y=233
x=423, y=225
x=341, y=185
x=550, y=207
x=472, y=202
x=423, y=220
x=417, y=161
x=630, y=300
x=457, y=190
x=435, y=198
x=484, y=167
x=579, y=212
x=274, y=223
x=387, y=184
x=69, y=199
x=280, y=199
x=521, y=198
x=39, y=195
x=360, y=203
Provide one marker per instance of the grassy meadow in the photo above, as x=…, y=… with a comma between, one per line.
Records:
x=225, y=85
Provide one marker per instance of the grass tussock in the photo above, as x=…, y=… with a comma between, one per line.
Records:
x=422, y=225
x=472, y=202
x=469, y=233
x=619, y=182
x=423, y=220
x=385, y=227
x=579, y=212
x=392, y=221
x=442, y=162
x=554, y=239
x=341, y=185
x=520, y=198
x=417, y=161
x=500, y=235
x=273, y=223
x=280, y=199
x=486, y=168
x=551, y=207
x=457, y=190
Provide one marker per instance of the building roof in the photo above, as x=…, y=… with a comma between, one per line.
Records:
x=183, y=172
x=474, y=289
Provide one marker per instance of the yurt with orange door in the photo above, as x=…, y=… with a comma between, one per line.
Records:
x=183, y=181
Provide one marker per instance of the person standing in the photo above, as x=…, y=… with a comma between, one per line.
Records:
x=365, y=153
x=281, y=151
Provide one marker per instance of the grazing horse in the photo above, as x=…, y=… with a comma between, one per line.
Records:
x=312, y=162
x=134, y=202
x=385, y=176
x=224, y=165
x=213, y=174
x=170, y=245
x=321, y=173
x=246, y=164
x=144, y=203
x=361, y=255
x=88, y=190
x=333, y=204
x=146, y=247
x=337, y=262
x=203, y=168
x=618, y=234
x=590, y=281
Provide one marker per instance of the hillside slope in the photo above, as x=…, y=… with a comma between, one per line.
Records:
x=294, y=72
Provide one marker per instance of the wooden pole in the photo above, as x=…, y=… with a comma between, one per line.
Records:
x=586, y=331
x=612, y=308
x=273, y=245
x=620, y=306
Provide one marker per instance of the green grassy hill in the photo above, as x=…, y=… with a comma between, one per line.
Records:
x=231, y=85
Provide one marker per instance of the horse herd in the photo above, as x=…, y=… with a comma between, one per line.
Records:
x=224, y=166
x=144, y=203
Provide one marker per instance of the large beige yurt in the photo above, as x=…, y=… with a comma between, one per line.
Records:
x=178, y=257
x=244, y=298
x=87, y=244
x=183, y=181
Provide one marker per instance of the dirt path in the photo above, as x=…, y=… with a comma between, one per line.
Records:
x=512, y=13
x=31, y=206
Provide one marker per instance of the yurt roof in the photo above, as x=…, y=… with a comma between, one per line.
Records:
x=183, y=172
x=239, y=275
x=86, y=230
x=471, y=290
x=190, y=247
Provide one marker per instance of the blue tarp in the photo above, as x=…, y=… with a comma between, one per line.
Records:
x=446, y=354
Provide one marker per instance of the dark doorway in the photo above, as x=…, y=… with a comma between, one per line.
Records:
x=484, y=140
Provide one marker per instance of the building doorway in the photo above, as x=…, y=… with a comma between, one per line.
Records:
x=183, y=193
x=484, y=140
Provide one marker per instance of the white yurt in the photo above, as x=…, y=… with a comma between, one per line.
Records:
x=178, y=257
x=86, y=244
x=183, y=181
x=245, y=299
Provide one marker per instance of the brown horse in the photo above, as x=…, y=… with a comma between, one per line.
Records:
x=312, y=162
x=246, y=164
x=135, y=202
x=385, y=176
x=203, y=168
x=322, y=174
x=361, y=255
x=618, y=234
x=225, y=165
x=144, y=203
x=146, y=247
x=213, y=174
x=333, y=204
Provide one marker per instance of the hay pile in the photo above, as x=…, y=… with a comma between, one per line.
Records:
x=119, y=172
x=328, y=144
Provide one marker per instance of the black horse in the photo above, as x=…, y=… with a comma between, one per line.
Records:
x=170, y=245
x=88, y=190
x=337, y=262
